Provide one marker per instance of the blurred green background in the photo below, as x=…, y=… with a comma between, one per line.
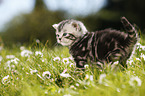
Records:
x=37, y=24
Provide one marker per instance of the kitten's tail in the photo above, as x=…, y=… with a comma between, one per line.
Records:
x=132, y=32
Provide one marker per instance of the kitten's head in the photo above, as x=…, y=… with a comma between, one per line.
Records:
x=68, y=31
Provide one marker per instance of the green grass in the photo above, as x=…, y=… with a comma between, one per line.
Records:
x=25, y=76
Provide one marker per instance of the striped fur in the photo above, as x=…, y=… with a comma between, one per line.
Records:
x=105, y=46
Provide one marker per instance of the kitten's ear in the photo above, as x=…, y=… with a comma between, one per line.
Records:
x=55, y=26
x=75, y=25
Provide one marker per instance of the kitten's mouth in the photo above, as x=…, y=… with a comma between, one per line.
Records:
x=66, y=43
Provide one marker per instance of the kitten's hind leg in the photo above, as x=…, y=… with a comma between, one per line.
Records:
x=80, y=63
x=118, y=55
x=113, y=56
x=123, y=63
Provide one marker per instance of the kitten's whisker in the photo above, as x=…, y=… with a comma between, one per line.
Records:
x=55, y=44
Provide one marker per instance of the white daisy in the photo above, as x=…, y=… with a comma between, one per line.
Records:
x=15, y=60
x=63, y=74
x=67, y=95
x=90, y=77
x=115, y=63
x=10, y=56
x=71, y=58
x=5, y=79
x=72, y=65
x=130, y=61
x=142, y=56
x=138, y=44
x=37, y=41
x=86, y=66
x=10, y=63
x=77, y=84
x=87, y=76
x=33, y=71
x=135, y=81
x=138, y=59
x=73, y=87
x=142, y=47
x=56, y=59
x=1, y=58
x=101, y=78
x=117, y=89
x=65, y=60
x=43, y=60
x=46, y=92
x=22, y=48
x=46, y=74
x=38, y=53
x=26, y=53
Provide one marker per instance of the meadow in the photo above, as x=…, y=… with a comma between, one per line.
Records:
x=39, y=71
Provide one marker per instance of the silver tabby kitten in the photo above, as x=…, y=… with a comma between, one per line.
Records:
x=100, y=47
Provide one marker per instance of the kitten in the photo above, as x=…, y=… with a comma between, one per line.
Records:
x=100, y=47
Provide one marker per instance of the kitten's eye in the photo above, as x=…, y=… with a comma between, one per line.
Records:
x=64, y=34
x=57, y=35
